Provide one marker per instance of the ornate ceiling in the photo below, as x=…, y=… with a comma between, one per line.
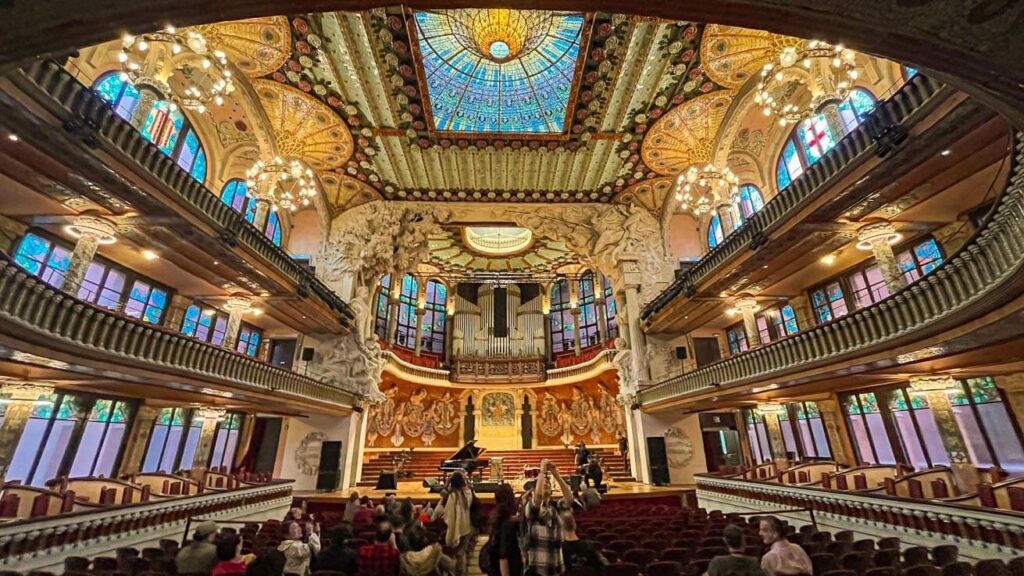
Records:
x=451, y=253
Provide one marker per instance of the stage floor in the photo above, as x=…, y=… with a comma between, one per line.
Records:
x=416, y=491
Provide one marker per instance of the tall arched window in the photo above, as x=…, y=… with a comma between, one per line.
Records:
x=563, y=330
x=434, y=315
x=715, y=233
x=166, y=126
x=383, y=311
x=234, y=194
x=750, y=201
x=406, y=334
x=611, y=310
x=273, y=229
x=587, y=301
x=813, y=137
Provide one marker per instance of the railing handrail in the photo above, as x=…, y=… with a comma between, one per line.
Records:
x=442, y=376
x=975, y=273
x=902, y=105
x=28, y=302
x=78, y=100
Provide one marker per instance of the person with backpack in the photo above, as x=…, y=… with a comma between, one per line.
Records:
x=501, y=556
x=456, y=509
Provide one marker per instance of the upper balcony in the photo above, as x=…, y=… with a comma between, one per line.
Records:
x=71, y=143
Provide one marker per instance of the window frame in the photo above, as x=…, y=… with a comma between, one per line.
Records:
x=586, y=301
x=561, y=311
x=405, y=332
x=130, y=409
x=432, y=340
x=736, y=339
x=215, y=314
x=715, y=233
x=251, y=348
x=382, y=312
x=229, y=417
x=965, y=389
x=175, y=463
x=611, y=309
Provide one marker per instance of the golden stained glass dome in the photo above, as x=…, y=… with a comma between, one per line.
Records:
x=499, y=34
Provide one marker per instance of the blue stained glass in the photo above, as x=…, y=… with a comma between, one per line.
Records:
x=199, y=168
x=816, y=138
x=189, y=149
x=909, y=72
x=191, y=321
x=122, y=96
x=32, y=252
x=715, y=233
x=157, y=303
x=163, y=126
x=469, y=92
x=273, y=230
x=789, y=320
x=751, y=200
x=928, y=250
x=254, y=344
x=782, y=178
x=233, y=194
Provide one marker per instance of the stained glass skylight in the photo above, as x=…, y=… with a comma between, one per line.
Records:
x=497, y=70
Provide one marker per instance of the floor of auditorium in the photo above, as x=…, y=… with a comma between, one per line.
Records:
x=418, y=492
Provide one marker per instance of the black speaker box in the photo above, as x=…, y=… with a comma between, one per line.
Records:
x=485, y=487
x=307, y=354
x=387, y=481
x=681, y=353
x=328, y=476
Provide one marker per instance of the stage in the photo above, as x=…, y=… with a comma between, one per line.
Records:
x=415, y=490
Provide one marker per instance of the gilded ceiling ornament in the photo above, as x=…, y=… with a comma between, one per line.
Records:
x=650, y=194
x=344, y=192
x=304, y=127
x=257, y=46
x=732, y=55
x=686, y=134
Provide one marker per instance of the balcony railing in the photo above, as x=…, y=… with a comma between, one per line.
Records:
x=33, y=311
x=810, y=185
x=984, y=273
x=77, y=101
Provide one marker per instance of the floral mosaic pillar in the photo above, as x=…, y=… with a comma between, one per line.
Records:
x=91, y=232
x=835, y=426
x=138, y=438
x=801, y=306
x=175, y=315
x=747, y=306
x=879, y=237
x=211, y=417
x=19, y=409
x=775, y=440
x=936, y=389
x=237, y=306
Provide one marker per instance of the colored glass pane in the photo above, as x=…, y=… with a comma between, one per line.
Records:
x=44, y=406
x=789, y=320
x=199, y=167
x=816, y=138
x=473, y=89
x=120, y=413
x=909, y=72
x=958, y=397
x=715, y=233
x=163, y=126
x=869, y=402
x=273, y=229
x=191, y=321
x=850, y=403
x=983, y=390
x=100, y=411
x=32, y=253
x=782, y=179
x=791, y=159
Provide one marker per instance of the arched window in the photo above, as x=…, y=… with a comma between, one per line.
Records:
x=813, y=137
x=273, y=229
x=750, y=201
x=715, y=233
x=165, y=126
x=611, y=310
x=563, y=330
x=589, y=333
x=383, y=308
x=406, y=334
x=434, y=316
x=234, y=194
x=909, y=72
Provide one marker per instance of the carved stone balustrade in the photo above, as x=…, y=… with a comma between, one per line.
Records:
x=471, y=370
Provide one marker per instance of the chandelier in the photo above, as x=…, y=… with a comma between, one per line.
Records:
x=827, y=71
x=283, y=184
x=700, y=189
x=149, y=60
x=499, y=34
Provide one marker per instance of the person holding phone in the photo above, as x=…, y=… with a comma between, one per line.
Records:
x=543, y=523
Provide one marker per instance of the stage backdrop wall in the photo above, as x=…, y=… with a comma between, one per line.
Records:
x=683, y=442
x=302, y=439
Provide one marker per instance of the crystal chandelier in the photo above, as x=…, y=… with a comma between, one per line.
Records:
x=827, y=71
x=499, y=34
x=700, y=189
x=149, y=60
x=284, y=184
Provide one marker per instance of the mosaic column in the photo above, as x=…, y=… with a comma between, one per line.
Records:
x=770, y=412
x=936, y=389
x=835, y=426
x=91, y=231
x=879, y=238
x=801, y=306
x=238, y=304
x=138, y=438
x=747, y=306
x=211, y=417
x=22, y=400
x=176, y=309
x=420, y=312
x=574, y=308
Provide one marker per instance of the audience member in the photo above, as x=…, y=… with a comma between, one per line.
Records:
x=269, y=563
x=736, y=563
x=543, y=546
x=381, y=557
x=782, y=557
x=590, y=498
x=366, y=513
x=576, y=552
x=201, y=554
x=389, y=506
x=504, y=557
x=339, y=556
x=423, y=558
x=229, y=554
x=455, y=509
x=351, y=507
x=299, y=548
x=426, y=512
x=295, y=514
x=593, y=472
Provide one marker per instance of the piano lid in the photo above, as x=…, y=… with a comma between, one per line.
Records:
x=468, y=452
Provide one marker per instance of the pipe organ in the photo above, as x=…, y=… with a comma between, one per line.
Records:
x=474, y=322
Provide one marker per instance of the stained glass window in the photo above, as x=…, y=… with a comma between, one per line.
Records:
x=868, y=286
x=867, y=426
x=47, y=260
x=919, y=260
x=563, y=329
x=248, y=340
x=589, y=333
x=750, y=202
x=828, y=302
x=102, y=439
x=234, y=194
x=499, y=70
x=804, y=430
x=856, y=108
x=816, y=138
x=757, y=434
x=909, y=72
x=776, y=322
x=987, y=425
x=273, y=229
x=737, y=338
x=146, y=302
x=165, y=440
x=45, y=439
x=434, y=316
x=383, y=308
x=406, y=334
x=611, y=310
x=226, y=442
x=205, y=324
x=164, y=126
x=715, y=232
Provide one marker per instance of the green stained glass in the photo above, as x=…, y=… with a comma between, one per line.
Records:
x=869, y=402
x=958, y=397
x=100, y=411
x=164, y=419
x=44, y=406
x=800, y=414
x=812, y=410
x=197, y=418
x=120, y=412
x=850, y=404
x=69, y=408
x=784, y=415
x=179, y=417
x=983, y=390
x=897, y=401
x=918, y=401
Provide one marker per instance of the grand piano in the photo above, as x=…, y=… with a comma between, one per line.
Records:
x=467, y=460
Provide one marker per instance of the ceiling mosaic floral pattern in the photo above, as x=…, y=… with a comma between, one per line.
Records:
x=733, y=55
x=498, y=70
x=305, y=128
x=257, y=46
x=450, y=254
x=686, y=135
x=343, y=192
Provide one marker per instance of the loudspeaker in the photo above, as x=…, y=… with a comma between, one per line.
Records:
x=657, y=459
x=328, y=476
x=681, y=353
x=387, y=481
x=307, y=354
